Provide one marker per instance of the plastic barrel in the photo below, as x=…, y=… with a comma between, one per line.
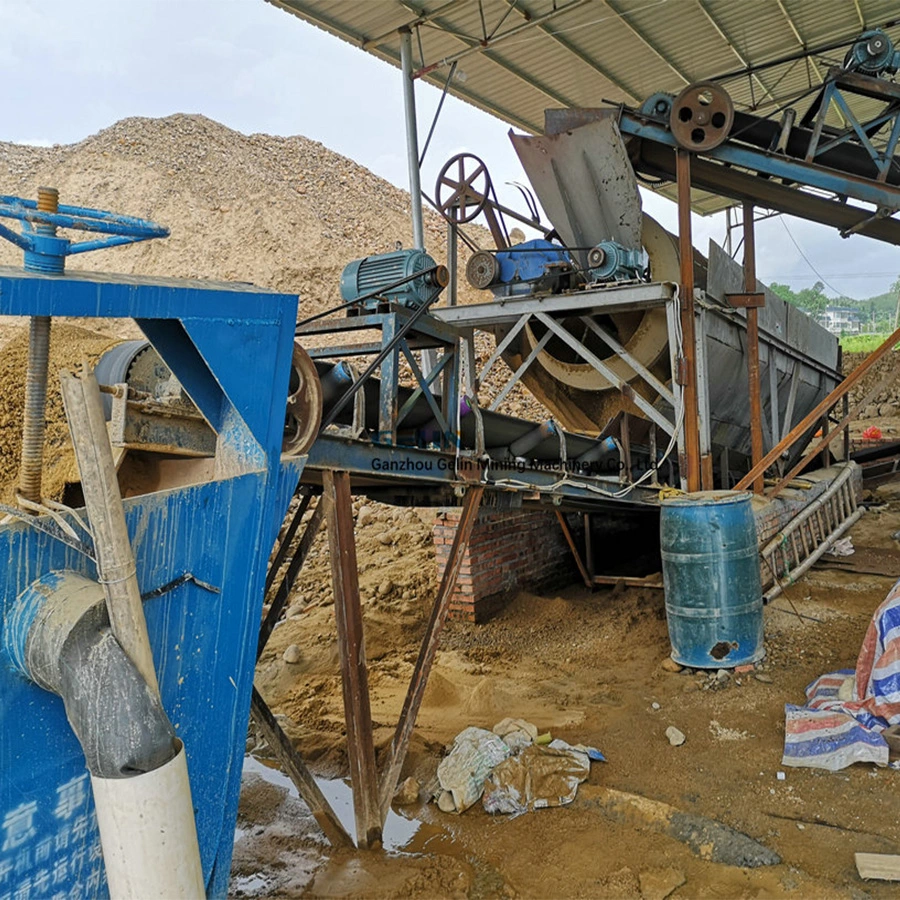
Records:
x=710, y=559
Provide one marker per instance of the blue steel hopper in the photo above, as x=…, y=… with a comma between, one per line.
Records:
x=200, y=549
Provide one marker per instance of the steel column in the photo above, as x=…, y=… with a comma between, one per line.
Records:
x=428, y=649
x=690, y=463
x=352, y=651
x=756, y=438
x=412, y=137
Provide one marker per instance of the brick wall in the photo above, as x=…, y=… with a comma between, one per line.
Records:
x=509, y=550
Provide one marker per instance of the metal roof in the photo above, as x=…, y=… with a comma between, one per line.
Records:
x=515, y=58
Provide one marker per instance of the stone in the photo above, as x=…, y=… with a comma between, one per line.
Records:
x=386, y=538
x=657, y=884
x=385, y=587
x=765, y=679
x=365, y=516
x=292, y=654
x=407, y=793
x=887, y=410
x=723, y=675
x=445, y=802
x=676, y=738
x=669, y=665
x=870, y=412
x=654, y=705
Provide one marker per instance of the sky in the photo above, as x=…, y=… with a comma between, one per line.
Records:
x=70, y=68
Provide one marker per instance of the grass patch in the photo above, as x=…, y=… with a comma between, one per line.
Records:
x=863, y=343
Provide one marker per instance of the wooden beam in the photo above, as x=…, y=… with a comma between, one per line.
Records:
x=822, y=407
x=691, y=460
x=585, y=577
x=296, y=770
x=829, y=436
x=352, y=651
x=428, y=649
x=285, y=542
x=279, y=601
x=756, y=438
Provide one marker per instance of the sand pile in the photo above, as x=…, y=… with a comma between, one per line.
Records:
x=283, y=213
x=69, y=345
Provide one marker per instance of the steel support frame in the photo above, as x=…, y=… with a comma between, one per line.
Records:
x=427, y=332
x=865, y=85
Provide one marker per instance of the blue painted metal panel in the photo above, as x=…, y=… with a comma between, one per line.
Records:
x=221, y=532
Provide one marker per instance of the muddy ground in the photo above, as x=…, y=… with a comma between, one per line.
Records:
x=587, y=667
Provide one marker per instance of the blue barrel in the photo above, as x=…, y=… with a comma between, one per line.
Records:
x=710, y=559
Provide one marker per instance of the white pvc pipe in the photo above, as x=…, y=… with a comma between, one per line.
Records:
x=148, y=834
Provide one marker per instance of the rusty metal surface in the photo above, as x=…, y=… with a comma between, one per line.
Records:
x=352, y=652
x=756, y=437
x=419, y=680
x=689, y=463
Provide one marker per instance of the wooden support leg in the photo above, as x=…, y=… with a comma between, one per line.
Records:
x=428, y=649
x=286, y=540
x=296, y=564
x=564, y=525
x=296, y=770
x=352, y=650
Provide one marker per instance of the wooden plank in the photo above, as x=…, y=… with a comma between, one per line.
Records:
x=296, y=770
x=881, y=866
x=428, y=649
x=279, y=601
x=352, y=652
x=585, y=577
x=821, y=408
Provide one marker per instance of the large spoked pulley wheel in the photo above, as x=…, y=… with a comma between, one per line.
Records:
x=462, y=189
x=701, y=116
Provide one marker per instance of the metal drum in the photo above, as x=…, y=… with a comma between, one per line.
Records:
x=710, y=562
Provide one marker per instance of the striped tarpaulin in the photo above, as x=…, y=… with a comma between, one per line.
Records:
x=844, y=716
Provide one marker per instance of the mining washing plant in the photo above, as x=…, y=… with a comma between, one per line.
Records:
x=129, y=629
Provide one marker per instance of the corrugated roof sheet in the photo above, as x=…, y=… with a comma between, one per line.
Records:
x=523, y=56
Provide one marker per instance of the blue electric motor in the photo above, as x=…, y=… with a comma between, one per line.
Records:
x=393, y=277
x=873, y=53
x=527, y=268
x=609, y=261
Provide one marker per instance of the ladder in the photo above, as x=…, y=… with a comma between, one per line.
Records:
x=809, y=534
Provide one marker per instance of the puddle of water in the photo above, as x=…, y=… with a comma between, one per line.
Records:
x=400, y=833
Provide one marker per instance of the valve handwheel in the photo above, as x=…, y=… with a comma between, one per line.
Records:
x=47, y=252
x=701, y=116
x=468, y=194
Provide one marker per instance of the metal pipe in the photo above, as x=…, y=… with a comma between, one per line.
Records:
x=412, y=138
x=756, y=439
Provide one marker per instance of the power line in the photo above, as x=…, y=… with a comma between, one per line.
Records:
x=816, y=272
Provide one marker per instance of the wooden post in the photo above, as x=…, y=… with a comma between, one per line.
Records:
x=690, y=464
x=756, y=437
x=352, y=651
x=428, y=649
x=564, y=525
x=279, y=601
x=296, y=770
